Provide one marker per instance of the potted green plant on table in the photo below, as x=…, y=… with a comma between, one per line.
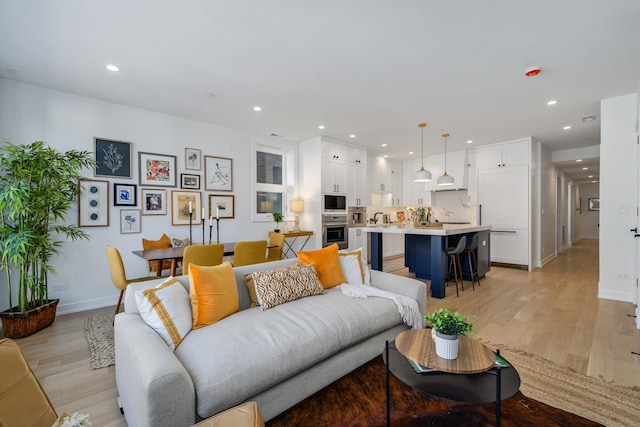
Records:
x=446, y=328
x=277, y=217
x=38, y=186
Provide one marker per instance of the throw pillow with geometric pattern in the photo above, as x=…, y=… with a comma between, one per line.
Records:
x=275, y=287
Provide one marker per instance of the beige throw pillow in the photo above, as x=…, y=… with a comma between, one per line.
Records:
x=274, y=287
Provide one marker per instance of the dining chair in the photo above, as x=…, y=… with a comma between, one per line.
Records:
x=118, y=275
x=207, y=255
x=276, y=246
x=162, y=243
x=250, y=252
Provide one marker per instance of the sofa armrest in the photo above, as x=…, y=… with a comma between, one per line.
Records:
x=154, y=388
x=406, y=286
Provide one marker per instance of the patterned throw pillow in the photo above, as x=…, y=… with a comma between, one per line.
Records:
x=274, y=287
x=178, y=243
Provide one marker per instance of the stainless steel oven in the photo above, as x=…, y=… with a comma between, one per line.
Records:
x=334, y=230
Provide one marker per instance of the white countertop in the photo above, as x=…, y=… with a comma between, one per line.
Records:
x=446, y=230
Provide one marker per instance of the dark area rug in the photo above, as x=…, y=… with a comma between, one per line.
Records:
x=358, y=399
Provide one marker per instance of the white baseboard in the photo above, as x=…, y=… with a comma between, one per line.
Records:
x=549, y=258
x=75, y=307
x=614, y=295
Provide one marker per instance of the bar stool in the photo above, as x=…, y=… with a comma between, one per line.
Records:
x=470, y=250
x=454, y=262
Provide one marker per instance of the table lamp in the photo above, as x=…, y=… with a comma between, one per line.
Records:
x=297, y=207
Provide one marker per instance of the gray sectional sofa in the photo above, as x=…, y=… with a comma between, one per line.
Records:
x=276, y=357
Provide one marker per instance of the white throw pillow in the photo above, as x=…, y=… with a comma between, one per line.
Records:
x=167, y=310
x=355, y=269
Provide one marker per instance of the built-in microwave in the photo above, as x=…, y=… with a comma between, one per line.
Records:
x=334, y=203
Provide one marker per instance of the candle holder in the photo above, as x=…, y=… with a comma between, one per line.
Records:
x=217, y=230
x=190, y=228
x=210, y=232
x=203, y=229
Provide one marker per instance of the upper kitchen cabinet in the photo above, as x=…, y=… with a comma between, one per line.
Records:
x=385, y=176
x=414, y=193
x=472, y=178
x=502, y=155
x=356, y=177
x=456, y=167
x=334, y=167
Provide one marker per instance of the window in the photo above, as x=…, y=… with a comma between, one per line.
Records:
x=270, y=181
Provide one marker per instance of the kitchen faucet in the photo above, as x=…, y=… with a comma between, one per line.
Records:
x=375, y=216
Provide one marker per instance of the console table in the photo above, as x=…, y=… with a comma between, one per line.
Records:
x=472, y=377
x=293, y=236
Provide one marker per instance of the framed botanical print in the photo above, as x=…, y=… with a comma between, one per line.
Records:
x=218, y=173
x=192, y=159
x=183, y=203
x=157, y=169
x=221, y=206
x=113, y=158
x=93, y=203
x=124, y=194
x=130, y=221
x=189, y=181
x=154, y=201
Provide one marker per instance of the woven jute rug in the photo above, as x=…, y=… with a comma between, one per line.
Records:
x=572, y=391
x=99, y=332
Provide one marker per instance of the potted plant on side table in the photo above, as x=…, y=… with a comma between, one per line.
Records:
x=446, y=328
x=277, y=217
x=38, y=186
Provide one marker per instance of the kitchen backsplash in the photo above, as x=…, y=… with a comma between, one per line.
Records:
x=448, y=206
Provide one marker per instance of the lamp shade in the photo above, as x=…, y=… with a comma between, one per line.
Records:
x=296, y=206
x=422, y=175
x=445, y=179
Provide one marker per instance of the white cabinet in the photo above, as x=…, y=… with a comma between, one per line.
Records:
x=456, y=167
x=472, y=178
x=356, y=184
x=334, y=176
x=334, y=151
x=394, y=198
x=510, y=246
x=392, y=245
x=377, y=174
x=358, y=239
x=502, y=155
x=414, y=193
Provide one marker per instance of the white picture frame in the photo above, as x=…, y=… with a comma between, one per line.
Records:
x=130, y=221
x=218, y=173
x=93, y=203
x=192, y=159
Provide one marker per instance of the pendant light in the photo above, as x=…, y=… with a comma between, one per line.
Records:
x=422, y=175
x=445, y=179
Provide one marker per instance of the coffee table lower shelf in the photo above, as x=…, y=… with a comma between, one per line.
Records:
x=490, y=386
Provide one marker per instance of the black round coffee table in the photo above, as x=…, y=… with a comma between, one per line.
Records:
x=471, y=388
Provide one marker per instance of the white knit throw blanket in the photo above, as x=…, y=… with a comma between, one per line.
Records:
x=407, y=307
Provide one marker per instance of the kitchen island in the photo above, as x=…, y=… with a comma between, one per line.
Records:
x=425, y=250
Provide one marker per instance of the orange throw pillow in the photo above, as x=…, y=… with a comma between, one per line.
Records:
x=214, y=294
x=163, y=243
x=326, y=263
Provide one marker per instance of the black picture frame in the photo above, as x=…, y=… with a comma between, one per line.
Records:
x=112, y=157
x=594, y=204
x=125, y=194
x=189, y=181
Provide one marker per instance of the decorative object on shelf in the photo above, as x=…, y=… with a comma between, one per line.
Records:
x=446, y=328
x=445, y=179
x=218, y=173
x=38, y=187
x=189, y=181
x=400, y=216
x=157, y=170
x=130, y=221
x=124, y=194
x=112, y=158
x=221, y=206
x=186, y=208
x=422, y=175
x=297, y=207
x=93, y=203
x=192, y=159
x=154, y=201
x=277, y=217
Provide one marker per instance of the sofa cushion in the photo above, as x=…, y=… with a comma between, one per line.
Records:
x=327, y=265
x=214, y=294
x=355, y=271
x=167, y=310
x=275, y=287
x=278, y=344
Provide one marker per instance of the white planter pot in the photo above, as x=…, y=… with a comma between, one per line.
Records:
x=446, y=345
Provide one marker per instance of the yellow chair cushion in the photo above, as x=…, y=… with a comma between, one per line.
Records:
x=214, y=294
x=327, y=264
x=162, y=243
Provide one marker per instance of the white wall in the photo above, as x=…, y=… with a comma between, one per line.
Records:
x=65, y=121
x=589, y=220
x=547, y=209
x=617, y=197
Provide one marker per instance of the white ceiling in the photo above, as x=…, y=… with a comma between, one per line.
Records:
x=366, y=67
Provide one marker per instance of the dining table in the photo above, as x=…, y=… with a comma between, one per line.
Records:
x=174, y=254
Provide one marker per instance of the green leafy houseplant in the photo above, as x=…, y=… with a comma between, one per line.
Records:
x=277, y=217
x=448, y=323
x=38, y=186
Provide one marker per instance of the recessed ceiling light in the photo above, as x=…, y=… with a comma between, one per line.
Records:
x=590, y=176
x=585, y=168
x=352, y=136
x=469, y=142
x=578, y=160
x=383, y=145
x=552, y=102
x=113, y=68
x=410, y=152
x=321, y=127
x=566, y=128
x=385, y=156
x=594, y=181
x=257, y=108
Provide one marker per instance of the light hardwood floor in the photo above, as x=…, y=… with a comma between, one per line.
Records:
x=553, y=312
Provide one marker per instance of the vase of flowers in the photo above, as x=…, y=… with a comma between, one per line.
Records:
x=421, y=215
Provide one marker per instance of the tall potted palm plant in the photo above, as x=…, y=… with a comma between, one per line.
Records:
x=38, y=186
